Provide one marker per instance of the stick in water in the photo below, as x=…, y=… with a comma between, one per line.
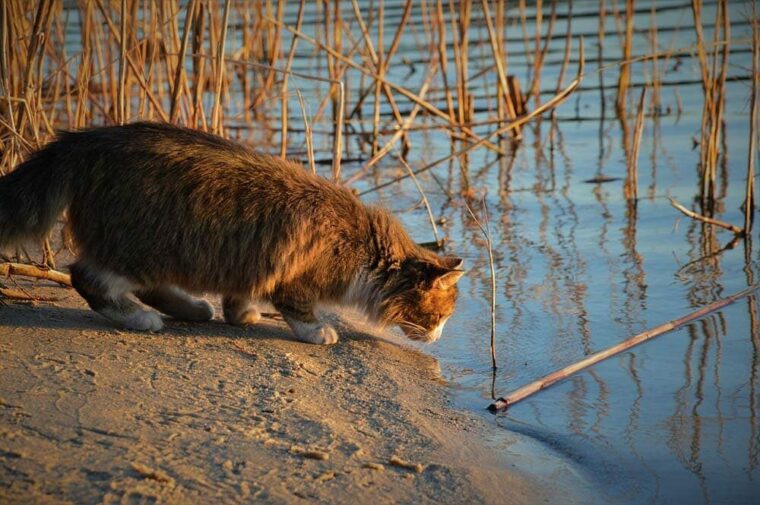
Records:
x=548, y=380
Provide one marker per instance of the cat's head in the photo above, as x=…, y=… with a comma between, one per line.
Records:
x=420, y=295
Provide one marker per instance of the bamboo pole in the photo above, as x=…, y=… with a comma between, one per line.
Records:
x=543, y=383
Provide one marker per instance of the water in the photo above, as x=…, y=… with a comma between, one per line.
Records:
x=578, y=268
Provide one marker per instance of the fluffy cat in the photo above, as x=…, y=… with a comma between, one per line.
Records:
x=159, y=211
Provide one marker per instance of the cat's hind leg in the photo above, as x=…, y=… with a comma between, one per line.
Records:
x=240, y=310
x=177, y=303
x=107, y=293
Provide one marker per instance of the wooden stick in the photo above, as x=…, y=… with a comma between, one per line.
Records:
x=35, y=272
x=708, y=220
x=548, y=380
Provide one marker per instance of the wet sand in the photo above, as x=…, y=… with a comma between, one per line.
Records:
x=209, y=413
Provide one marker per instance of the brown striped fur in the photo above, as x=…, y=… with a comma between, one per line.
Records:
x=158, y=211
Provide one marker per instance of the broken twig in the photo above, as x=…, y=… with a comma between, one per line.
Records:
x=551, y=379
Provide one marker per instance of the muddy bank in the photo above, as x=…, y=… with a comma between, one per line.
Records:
x=208, y=413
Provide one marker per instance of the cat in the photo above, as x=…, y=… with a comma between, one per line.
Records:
x=159, y=211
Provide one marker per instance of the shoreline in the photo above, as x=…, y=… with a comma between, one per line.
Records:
x=203, y=412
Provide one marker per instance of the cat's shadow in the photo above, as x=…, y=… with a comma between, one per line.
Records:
x=51, y=317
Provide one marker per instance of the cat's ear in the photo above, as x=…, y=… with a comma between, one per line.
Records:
x=447, y=279
x=449, y=273
x=452, y=262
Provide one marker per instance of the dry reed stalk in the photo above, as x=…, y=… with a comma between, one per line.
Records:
x=600, y=54
x=286, y=76
x=40, y=28
x=19, y=295
x=307, y=133
x=443, y=56
x=500, y=28
x=632, y=181
x=273, y=45
x=566, y=56
x=656, y=79
x=216, y=111
x=179, y=73
x=713, y=85
x=461, y=54
x=10, y=152
x=381, y=71
x=546, y=106
x=624, y=78
x=23, y=270
x=706, y=219
x=199, y=66
x=395, y=87
x=501, y=71
x=405, y=126
x=130, y=61
x=538, y=60
x=381, y=65
x=486, y=231
x=749, y=194
x=438, y=241
x=551, y=379
x=121, y=116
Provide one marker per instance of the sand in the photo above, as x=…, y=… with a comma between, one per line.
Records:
x=210, y=413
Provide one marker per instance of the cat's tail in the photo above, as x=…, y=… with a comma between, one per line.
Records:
x=32, y=197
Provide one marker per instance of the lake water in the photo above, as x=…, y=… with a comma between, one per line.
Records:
x=578, y=268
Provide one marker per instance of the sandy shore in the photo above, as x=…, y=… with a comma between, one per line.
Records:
x=209, y=413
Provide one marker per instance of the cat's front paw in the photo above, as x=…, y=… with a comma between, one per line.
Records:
x=144, y=320
x=315, y=333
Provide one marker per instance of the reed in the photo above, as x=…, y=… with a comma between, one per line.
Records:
x=486, y=231
x=632, y=180
x=520, y=121
x=713, y=73
x=749, y=193
x=438, y=241
x=504, y=89
x=307, y=134
x=284, y=91
x=624, y=78
x=180, y=70
x=216, y=111
x=707, y=219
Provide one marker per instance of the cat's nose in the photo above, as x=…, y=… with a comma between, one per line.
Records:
x=435, y=334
